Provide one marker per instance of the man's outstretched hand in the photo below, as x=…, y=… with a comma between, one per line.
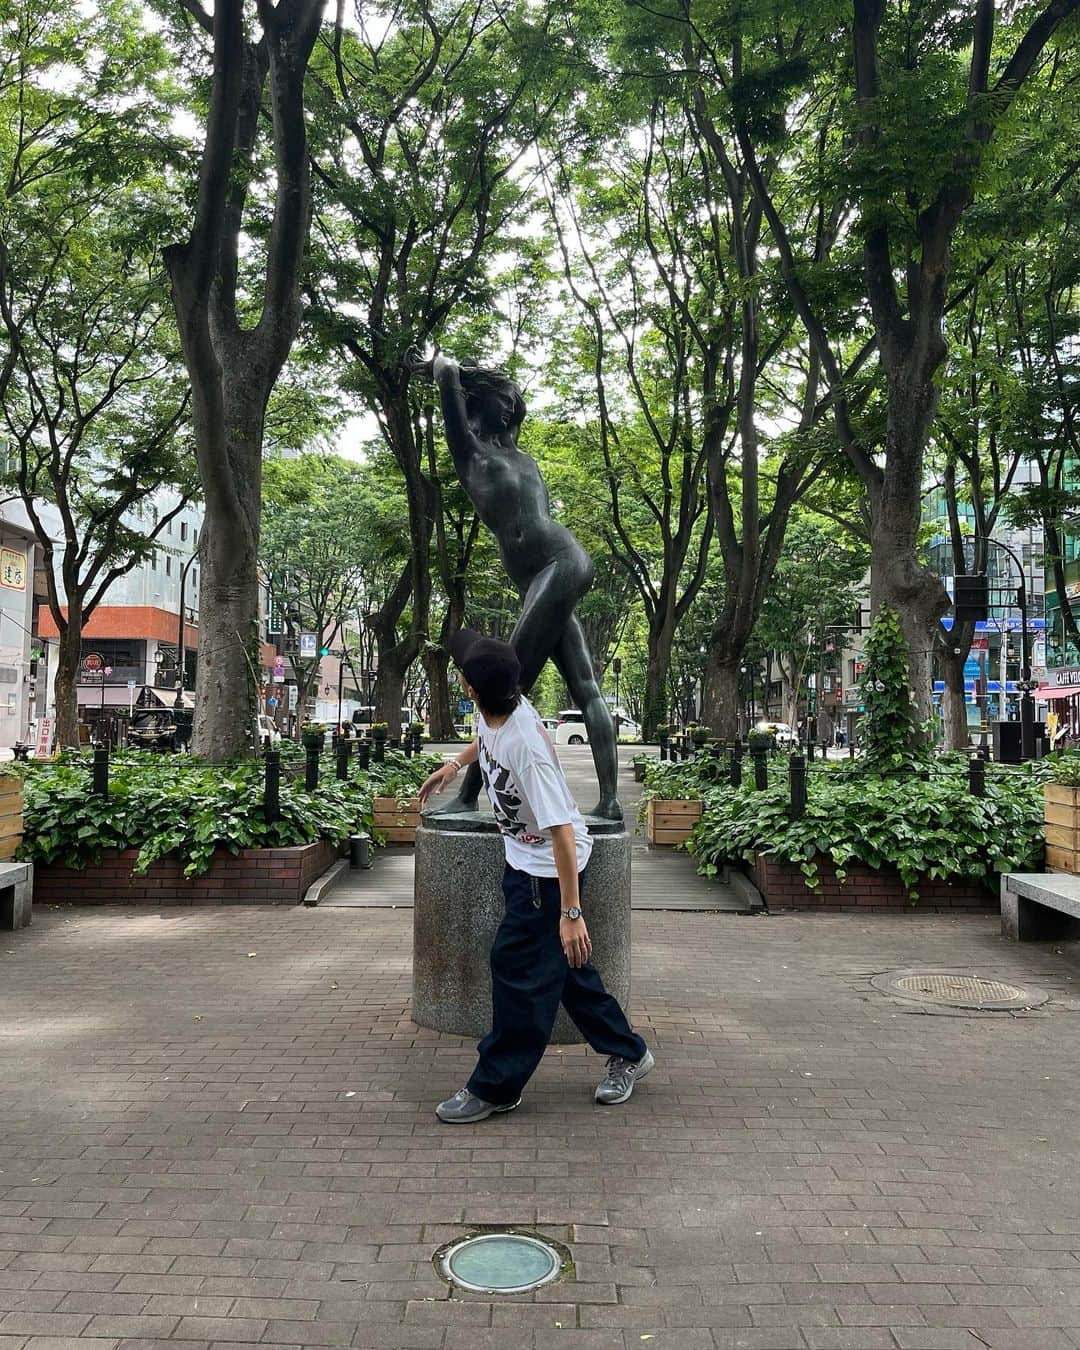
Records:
x=437, y=781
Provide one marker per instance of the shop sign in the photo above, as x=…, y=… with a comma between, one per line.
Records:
x=13, y=569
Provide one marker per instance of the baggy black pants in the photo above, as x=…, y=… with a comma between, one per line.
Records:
x=530, y=976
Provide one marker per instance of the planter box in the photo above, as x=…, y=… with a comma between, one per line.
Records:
x=11, y=816
x=1061, y=810
x=864, y=889
x=396, y=819
x=255, y=876
x=670, y=821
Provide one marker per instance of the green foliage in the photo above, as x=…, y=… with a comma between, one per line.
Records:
x=888, y=729
x=925, y=824
x=1063, y=768
x=162, y=805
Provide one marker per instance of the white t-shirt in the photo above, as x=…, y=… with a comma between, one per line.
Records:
x=528, y=791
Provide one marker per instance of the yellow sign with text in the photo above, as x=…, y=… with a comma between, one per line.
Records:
x=13, y=569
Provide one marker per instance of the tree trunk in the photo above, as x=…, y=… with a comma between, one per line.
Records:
x=954, y=700
x=897, y=577
x=654, y=711
x=721, y=699
x=65, y=692
x=389, y=691
x=226, y=683
x=441, y=702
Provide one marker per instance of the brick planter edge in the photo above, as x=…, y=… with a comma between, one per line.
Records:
x=255, y=876
x=864, y=890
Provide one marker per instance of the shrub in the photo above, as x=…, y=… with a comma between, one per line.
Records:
x=161, y=804
x=921, y=824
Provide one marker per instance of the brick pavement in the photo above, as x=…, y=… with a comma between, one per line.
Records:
x=216, y=1130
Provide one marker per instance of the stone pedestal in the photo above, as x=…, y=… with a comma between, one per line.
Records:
x=459, y=904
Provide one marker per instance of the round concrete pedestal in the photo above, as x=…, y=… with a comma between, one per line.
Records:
x=459, y=904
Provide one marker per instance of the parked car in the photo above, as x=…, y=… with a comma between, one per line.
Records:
x=781, y=733
x=570, y=728
x=160, y=729
x=363, y=717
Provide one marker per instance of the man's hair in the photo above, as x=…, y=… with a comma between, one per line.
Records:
x=500, y=705
x=493, y=390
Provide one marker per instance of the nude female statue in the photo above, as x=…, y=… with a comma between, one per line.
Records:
x=482, y=412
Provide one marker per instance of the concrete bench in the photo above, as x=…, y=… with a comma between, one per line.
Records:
x=1040, y=906
x=16, y=894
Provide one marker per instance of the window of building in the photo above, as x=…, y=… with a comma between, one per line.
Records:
x=168, y=565
x=183, y=529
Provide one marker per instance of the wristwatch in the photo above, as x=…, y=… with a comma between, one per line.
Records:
x=572, y=913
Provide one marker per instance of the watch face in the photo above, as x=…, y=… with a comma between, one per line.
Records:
x=573, y=912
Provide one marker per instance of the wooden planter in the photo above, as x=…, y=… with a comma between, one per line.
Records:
x=396, y=819
x=670, y=821
x=1061, y=809
x=11, y=816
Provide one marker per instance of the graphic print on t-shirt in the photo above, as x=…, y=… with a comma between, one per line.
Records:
x=505, y=798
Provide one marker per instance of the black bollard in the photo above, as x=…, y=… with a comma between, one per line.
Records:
x=363, y=755
x=311, y=768
x=378, y=753
x=736, y=763
x=761, y=768
x=271, y=790
x=797, y=786
x=342, y=768
x=977, y=776
x=663, y=747
x=360, y=850
x=407, y=746
x=851, y=750
x=809, y=752
x=101, y=772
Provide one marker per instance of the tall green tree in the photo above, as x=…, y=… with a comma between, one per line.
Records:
x=416, y=134
x=236, y=293
x=93, y=407
x=930, y=95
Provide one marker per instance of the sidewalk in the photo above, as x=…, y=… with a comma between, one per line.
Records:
x=216, y=1129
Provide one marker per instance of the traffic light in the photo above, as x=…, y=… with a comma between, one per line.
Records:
x=971, y=601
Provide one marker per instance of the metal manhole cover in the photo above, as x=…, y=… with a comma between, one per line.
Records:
x=958, y=989
x=500, y=1263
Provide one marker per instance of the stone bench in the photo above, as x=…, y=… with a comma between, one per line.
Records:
x=1040, y=906
x=16, y=894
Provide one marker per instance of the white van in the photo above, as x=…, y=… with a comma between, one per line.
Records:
x=570, y=729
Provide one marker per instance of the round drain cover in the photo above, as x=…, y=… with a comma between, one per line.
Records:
x=501, y=1263
x=958, y=989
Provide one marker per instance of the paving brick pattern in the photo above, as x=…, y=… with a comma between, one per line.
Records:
x=216, y=1130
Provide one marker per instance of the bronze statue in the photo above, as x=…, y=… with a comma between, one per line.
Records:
x=483, y=410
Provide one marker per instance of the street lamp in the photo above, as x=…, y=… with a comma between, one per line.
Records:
x=616, y=666
x=179, y=701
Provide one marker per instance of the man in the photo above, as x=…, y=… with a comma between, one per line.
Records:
x=541, y=954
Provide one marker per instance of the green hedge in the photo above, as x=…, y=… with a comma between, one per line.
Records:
x=923, y=824
x=161, y=804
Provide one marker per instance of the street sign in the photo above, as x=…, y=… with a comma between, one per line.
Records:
x=271, y=702
x=309, y=644
x=464, y=707
x=132, y=683
x=294, y=697
x=274, y=622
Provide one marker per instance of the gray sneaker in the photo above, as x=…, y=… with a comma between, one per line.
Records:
x=620, y=1078
x=463, y=1108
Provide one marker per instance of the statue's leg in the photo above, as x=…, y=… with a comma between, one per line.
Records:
x=574, y=660
x=546, y=608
